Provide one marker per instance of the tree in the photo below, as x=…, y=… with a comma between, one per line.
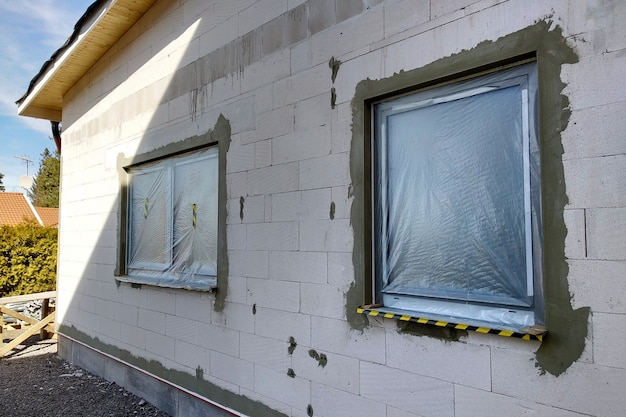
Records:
x=1, y=186
x=45, y=189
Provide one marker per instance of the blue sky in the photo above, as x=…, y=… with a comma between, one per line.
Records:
x=30, y=32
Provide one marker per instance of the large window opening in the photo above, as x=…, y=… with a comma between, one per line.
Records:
x=172, y=223
x=457, y=201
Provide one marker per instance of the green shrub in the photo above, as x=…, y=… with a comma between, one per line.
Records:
x=28, y=259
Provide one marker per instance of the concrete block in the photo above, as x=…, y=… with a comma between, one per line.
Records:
x=575, y=242
x=326, y=171
x=236, y=186
x=281, y=325
x=601, y=89
x=252, y=208
x=326, y=235
x=301, y=205
x=194, y=306
x=459, y=363
x=160, y=345
x=471, y=402
x=263, y=154
x=349, y=8
x=356, y=70
x=160, y=395
x=273, y=179
x=301, y=145
x=348, y=37
x=322, y=300
x=296, y=24
x=264, y=99
x=599, y=285
x=341, y=135
x=279, y=295
x=190, y=406
x=405, y=14
x=406, y=390
x=606, y=229
x=277, y=385
x=596, y=182
x=273, y=236
x=191, y=356
x=340, y=269
x=218, y=338
x=313, y=112
x=108, y=328
x=272, y=33
x=260, y=13
x=341, y=372
x=595, y=132
x=605, y=350
x=302, y=85
x=234, y=370
x=321, y=15
x=342, y=202
x=301, y=56
x=237, y=291
x=270, y=353
x=270, y=68
x=298, y=266
x=217, y=36
x=327, y=402
x=133, y=335
x=151, y=320
x=240, y=158
x=238, y=317
x=181, y=328
x=584, y=388
x=236, y=234
x=270, y=402
x=248, y=263
x=336, y=336
x=159, y=299
x=275, y=123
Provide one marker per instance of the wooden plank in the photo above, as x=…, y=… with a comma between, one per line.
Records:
x=28, y=297
x=45, y=310
x=37, y=327
x=22, y=317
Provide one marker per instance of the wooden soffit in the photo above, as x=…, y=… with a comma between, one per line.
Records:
x=104, y=22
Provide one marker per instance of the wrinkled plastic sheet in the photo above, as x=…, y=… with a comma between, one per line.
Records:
x=173, y=222
x=458, y=198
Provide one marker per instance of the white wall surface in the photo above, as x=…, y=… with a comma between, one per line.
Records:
x=289, y=158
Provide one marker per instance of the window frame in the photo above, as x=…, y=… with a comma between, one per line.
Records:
x=441, y=91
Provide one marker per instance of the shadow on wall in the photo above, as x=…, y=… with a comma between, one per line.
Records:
x=188, y=106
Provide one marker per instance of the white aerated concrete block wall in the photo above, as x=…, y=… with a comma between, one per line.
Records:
x=289, y=189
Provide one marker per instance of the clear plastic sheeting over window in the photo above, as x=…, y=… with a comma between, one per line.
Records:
x=457, y=200
x=173, y=221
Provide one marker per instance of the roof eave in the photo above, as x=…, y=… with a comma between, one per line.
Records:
x=104, y=22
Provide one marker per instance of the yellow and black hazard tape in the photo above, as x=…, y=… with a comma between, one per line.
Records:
x=506, y=333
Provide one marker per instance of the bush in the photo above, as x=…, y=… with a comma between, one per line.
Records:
x=28, y=259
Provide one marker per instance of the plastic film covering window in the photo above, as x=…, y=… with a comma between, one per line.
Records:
x=173, y=221
x=457, y=196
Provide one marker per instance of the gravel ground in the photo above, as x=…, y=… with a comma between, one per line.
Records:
x=35, y=382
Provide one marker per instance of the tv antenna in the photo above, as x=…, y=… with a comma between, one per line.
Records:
x=25, y=181
x=26, y=160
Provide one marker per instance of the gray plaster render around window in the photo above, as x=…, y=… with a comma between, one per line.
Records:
x=220, y=135
x=543, y=41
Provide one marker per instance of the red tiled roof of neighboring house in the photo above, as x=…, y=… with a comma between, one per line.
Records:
x=16, y=209
x=49, y=215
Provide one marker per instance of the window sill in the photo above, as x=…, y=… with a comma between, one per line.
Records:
x=375, y=310
x=208, y=285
